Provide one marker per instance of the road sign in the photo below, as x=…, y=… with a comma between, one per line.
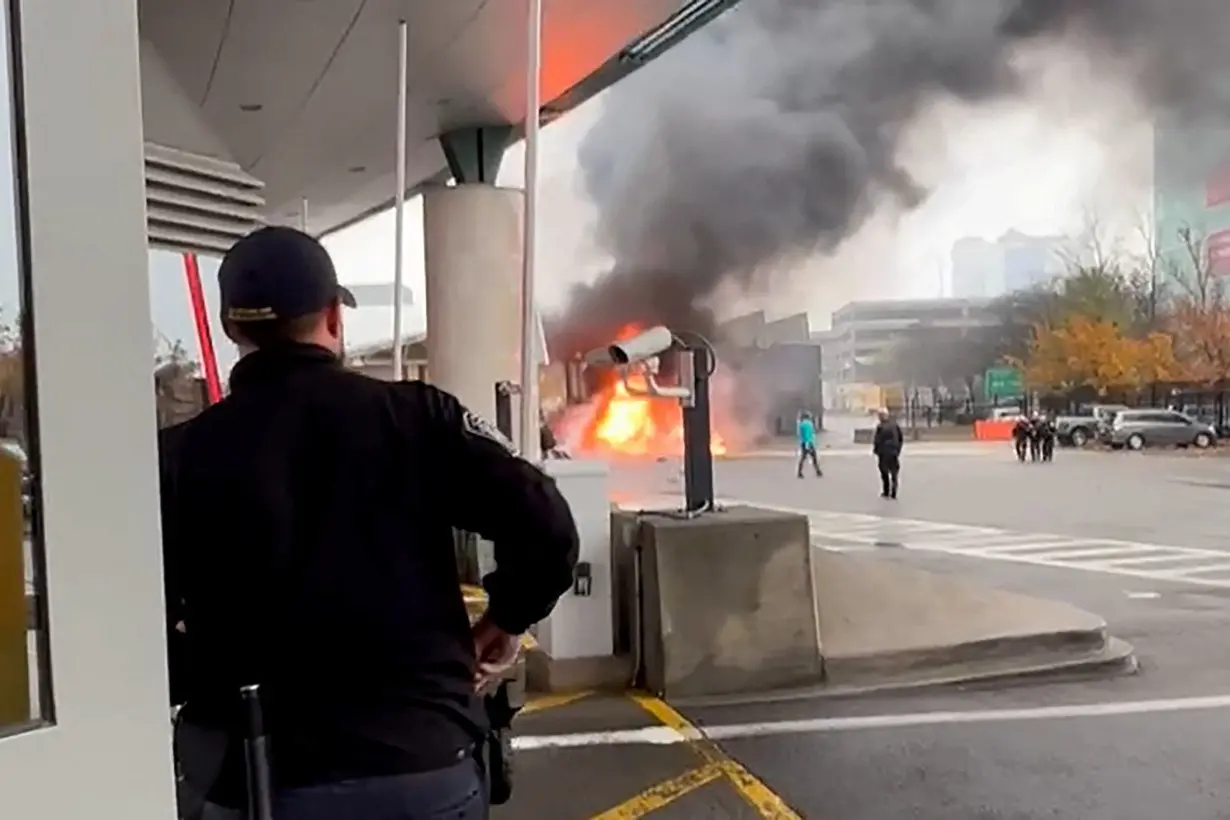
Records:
x=1003, y=383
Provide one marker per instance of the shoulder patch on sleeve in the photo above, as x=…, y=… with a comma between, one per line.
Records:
x=476, y=425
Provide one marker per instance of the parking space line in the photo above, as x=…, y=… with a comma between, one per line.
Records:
x=759, y=796
x=662, y=794
x=541, y=703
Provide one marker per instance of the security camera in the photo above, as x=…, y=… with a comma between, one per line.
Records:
x=643, y=346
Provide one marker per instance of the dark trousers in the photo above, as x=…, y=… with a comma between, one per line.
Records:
x=455, y=793
x=890, y=468
x=1035, y=449
x=1048, y=448
x=808, y=452
x=1021, y=445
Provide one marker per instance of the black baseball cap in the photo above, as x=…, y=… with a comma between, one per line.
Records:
x=278, y=273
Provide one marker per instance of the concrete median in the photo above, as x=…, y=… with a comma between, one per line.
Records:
x=737, y=603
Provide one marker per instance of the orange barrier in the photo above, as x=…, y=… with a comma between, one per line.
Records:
x=996, y=430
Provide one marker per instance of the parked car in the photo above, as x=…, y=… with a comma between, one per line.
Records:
x=1005, y=413
x=1089, y=425
x=1137, y=429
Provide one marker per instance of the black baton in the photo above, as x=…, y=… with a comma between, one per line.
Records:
x=256, y=756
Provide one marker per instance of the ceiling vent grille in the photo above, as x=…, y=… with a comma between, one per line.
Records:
x=198, y=204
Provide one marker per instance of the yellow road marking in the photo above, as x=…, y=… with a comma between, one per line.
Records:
x=541, y=703
x=750, y=788
x=757, y=794
x=663, y=794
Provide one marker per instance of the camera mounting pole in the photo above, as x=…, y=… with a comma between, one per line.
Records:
x=504, y=391
x=697, y=431
x=697, y=361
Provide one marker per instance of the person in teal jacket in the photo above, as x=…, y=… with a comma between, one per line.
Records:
x=807, y=443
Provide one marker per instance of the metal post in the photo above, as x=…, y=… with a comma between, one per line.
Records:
x=504, y=391
x=529, y=444
x=697, y=436
x=399, y=369
x=303, y=214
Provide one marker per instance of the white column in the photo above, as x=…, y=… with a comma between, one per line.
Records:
x=473, y=257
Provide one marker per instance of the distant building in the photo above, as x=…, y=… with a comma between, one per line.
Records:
x=982, y=269
x=376, y=358
x=863, y=333
x=977, y=268
x=755, y=330
x=1030, y=261
x=1191, y=190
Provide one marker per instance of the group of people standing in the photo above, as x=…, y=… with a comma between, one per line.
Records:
x=1036, y=436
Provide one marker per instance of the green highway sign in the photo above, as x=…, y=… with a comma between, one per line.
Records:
x=1003, y=383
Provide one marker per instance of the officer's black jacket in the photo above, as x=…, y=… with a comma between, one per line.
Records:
x=308, y=540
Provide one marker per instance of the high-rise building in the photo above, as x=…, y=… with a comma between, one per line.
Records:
x=1191, y=191
x=982, y=269
x=977, y=268
x=1030, y=261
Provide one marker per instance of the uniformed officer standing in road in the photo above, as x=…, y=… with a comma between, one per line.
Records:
x=886, y=444
x=310, y=533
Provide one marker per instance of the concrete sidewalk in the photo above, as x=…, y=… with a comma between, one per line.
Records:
x=885, y=625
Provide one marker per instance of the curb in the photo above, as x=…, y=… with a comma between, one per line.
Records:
x=1116, y=658
x=1054, y=646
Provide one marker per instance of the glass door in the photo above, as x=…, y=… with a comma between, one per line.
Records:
x=84, y=722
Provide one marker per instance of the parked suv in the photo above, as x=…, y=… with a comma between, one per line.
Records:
x=1137, y=429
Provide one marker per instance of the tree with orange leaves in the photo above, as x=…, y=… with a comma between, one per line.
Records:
x=1095, y=353
x=1199, y=315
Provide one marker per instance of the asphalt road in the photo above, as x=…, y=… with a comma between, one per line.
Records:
x=1131, y=748
x=1180, y=500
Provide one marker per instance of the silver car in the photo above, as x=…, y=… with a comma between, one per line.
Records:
x=1137, y=429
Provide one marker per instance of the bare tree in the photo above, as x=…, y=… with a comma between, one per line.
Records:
x=178, y=393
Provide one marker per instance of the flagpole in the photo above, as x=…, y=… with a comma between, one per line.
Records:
x=529, y=441
x=399, y=368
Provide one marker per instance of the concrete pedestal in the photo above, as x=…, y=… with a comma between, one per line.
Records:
x=726, y=603
x=472, y=242
x=575, y=643
x=580, y=626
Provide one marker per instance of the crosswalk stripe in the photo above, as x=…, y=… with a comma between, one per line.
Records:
x=1169, y=555
x=1186, y=572
x=1048, y=547
x=864, y=532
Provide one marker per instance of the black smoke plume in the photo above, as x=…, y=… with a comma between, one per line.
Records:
x=775, y=131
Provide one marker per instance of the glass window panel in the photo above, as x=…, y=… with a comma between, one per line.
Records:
x=179, y=375
x=25, y=680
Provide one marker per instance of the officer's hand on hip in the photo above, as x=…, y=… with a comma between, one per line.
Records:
x=495, y=651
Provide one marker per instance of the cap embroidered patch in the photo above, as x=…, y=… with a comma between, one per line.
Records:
x=250, y=314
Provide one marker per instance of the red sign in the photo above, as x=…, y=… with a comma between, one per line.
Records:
x=1217, y=252
x=1217, y=186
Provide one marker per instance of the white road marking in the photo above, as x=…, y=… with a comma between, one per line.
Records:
x=1189, y=565
x=660, y=735
x=1143, y=596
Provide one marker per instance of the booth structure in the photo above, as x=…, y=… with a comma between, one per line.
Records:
x=127, y=125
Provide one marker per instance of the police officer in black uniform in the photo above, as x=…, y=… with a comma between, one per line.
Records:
x=1022, y=430
x=309, y=533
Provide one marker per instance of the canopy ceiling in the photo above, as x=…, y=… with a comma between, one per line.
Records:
x=302, y=94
